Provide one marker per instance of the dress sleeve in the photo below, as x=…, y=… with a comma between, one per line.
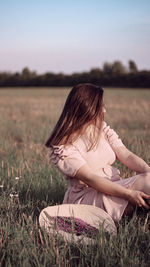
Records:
x=111, y=136
x=67, y=159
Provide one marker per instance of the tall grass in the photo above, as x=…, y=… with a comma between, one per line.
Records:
x=28, y=182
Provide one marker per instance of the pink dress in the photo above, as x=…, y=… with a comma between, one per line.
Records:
x=68, y=159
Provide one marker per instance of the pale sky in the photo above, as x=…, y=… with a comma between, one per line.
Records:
x=73, y=35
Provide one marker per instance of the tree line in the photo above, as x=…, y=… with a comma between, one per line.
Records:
x=111, y=74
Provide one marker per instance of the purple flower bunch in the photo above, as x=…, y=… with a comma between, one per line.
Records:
x=74, y=225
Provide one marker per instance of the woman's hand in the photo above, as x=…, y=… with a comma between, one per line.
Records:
x=137, y=198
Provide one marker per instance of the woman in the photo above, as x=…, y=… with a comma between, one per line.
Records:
x=83, y=147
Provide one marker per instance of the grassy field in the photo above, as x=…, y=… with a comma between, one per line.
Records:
x=28, y=182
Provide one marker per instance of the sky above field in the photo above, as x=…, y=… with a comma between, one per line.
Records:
x=73, y=35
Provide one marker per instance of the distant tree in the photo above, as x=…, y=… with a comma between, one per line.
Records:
x=112, y=74
x=27, y=77
x=95, y=75
x=118, y=68
x=26, y=73
x=132, y=66
x=96, y=71
x=107, y=68
x=4, y=76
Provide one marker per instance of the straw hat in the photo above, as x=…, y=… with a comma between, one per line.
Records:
x=76, y=221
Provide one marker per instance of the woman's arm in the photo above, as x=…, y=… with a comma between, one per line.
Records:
x=103, y=185
x=132, y=161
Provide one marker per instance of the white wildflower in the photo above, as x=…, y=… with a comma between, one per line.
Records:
x=13, y=195
x=17, y=178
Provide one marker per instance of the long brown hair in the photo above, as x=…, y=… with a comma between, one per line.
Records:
x=84, y=106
